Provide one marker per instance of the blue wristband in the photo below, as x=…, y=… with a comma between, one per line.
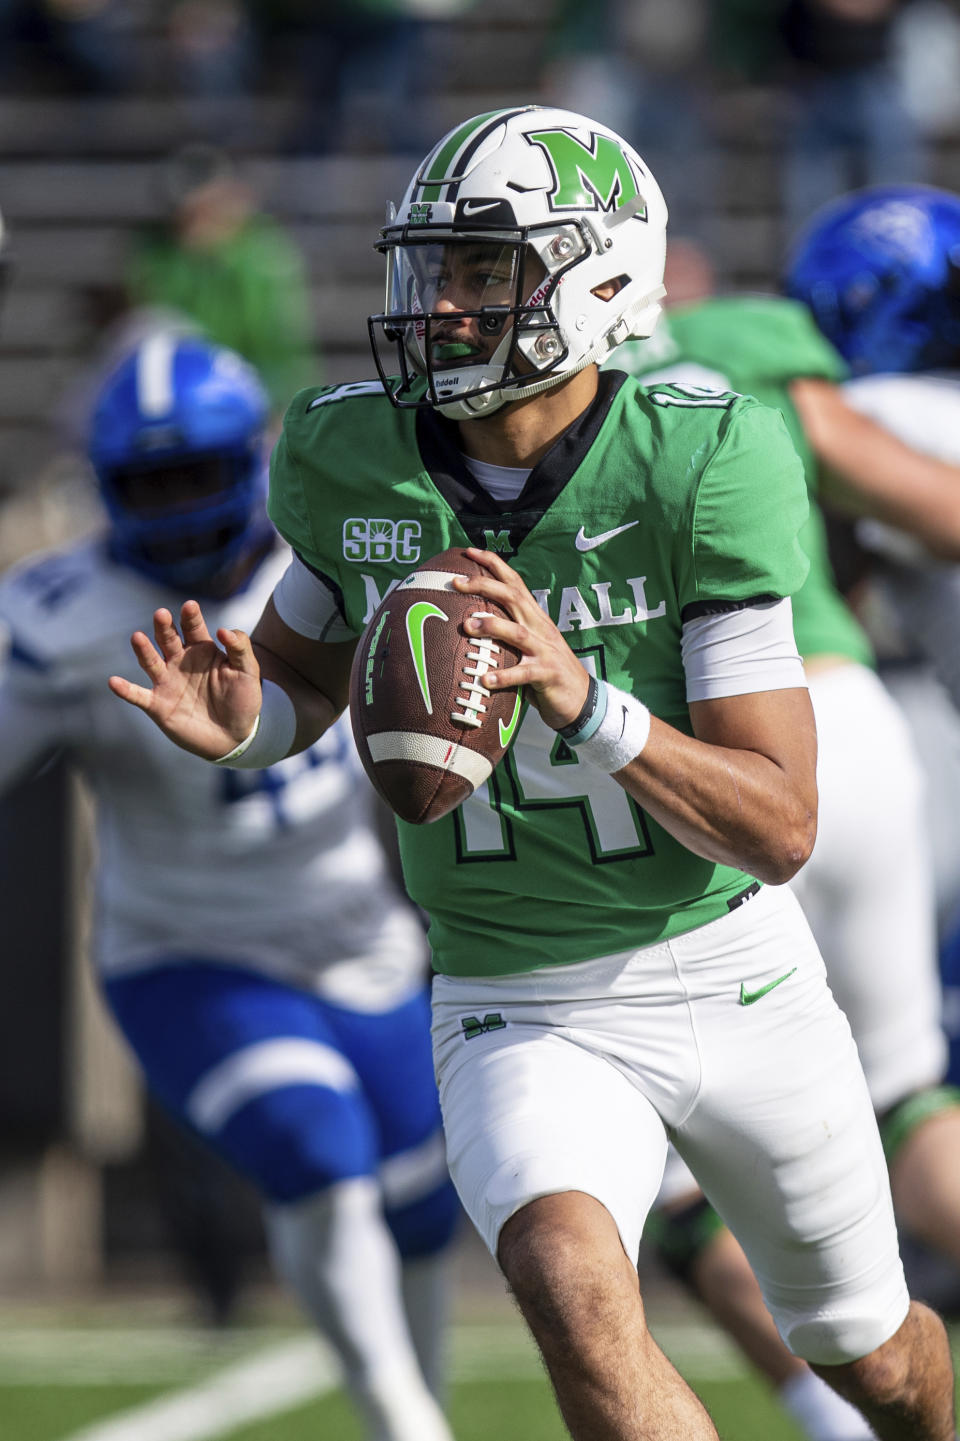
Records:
x=590, y=719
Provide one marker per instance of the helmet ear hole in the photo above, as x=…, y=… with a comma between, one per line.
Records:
x=609, y=288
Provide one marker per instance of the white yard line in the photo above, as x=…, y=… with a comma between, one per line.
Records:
x=275, y=1380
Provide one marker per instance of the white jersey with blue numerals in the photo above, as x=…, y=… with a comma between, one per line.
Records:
x=280, y=869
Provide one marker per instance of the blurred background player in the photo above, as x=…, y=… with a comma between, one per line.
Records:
x=880, y=270
x=289, y=1030
x=868, y=887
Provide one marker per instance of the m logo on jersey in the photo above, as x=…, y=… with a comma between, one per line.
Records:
x=381, y=541
x=598, y=176
x=498, y=540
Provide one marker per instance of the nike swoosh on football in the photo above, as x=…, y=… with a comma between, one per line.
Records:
x=417, y=617
x=590, y=542
x=747, y=998
x=506, y=731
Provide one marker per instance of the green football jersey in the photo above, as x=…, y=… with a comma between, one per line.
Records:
x=656, y=506
x=757, y=345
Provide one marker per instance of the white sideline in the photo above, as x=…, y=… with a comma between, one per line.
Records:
x=276, y=1380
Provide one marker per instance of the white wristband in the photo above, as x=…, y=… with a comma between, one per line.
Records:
x=272, y=734
x=620, y=736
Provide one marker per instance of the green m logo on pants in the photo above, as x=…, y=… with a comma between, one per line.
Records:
x=473, y=1026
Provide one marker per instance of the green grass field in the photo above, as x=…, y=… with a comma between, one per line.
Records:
x=76, y=1378
x=134, y=1369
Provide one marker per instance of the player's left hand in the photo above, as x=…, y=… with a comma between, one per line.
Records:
x=556, y=680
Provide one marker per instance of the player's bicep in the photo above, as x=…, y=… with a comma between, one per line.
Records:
x=302, y=664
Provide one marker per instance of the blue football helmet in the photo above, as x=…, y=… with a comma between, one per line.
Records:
x=177, y=444
x=880, y=270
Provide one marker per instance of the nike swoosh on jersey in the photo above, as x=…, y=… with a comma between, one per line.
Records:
x=747, y=998
x=590, y=542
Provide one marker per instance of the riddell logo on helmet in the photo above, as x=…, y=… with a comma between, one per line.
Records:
x=541, y=293
x=598, y=176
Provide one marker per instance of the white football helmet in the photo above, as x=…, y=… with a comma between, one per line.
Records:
x=541, y=228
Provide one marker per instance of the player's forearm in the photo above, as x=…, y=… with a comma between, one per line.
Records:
x=868, y=471
x=315, y=676
x=315, y=711
x=734, y=807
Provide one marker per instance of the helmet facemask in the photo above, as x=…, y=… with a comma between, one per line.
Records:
x=471, y=316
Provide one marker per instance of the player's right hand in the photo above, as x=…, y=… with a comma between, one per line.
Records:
x=204, y=698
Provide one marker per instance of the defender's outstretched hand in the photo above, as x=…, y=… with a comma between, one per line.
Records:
x=204, y=698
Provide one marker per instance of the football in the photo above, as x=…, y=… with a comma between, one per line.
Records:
x=427, y=729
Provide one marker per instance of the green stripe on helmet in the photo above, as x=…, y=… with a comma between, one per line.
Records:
x=444, y=156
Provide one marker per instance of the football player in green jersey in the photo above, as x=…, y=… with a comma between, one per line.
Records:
x=617, y=958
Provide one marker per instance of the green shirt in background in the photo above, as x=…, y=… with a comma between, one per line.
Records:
x=757, y=346
x=249, y=293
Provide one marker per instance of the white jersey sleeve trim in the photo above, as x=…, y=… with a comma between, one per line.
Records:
x=308, y=606
x=739, y=652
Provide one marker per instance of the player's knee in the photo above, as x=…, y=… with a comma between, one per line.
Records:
x=298, y=1140
x=426, y=1225
x=880, y=1378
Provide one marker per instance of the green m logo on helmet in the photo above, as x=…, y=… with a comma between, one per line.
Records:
x=598, y=176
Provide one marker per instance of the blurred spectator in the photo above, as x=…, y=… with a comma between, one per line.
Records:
x=641, y=69
x=212, y=47
x=849, y=124
x=230, y=269
x=87, y=45
x=927, y=55
x=688, y=274
x=362, y=68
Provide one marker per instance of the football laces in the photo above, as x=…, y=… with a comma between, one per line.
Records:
x=472, y=694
